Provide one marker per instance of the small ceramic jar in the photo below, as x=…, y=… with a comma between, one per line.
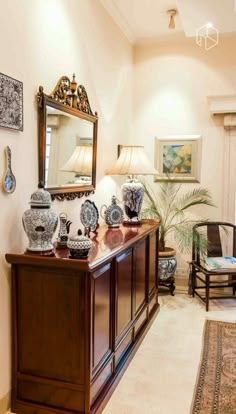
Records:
x=79, y=246
x=40, y=222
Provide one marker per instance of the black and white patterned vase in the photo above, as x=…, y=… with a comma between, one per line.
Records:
x=40, y=222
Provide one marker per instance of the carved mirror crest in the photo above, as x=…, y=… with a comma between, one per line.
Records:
x=67, y=141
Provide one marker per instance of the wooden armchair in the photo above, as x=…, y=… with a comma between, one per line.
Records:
x=221, y=241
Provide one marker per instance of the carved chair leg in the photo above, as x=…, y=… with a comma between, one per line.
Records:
x=193, y=282
x=234, y=284
x=190, y=283
x=207, y=293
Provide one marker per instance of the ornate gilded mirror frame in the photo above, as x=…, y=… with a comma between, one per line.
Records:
x=73, y=101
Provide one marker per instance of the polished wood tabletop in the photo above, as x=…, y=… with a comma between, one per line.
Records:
x=106, y=243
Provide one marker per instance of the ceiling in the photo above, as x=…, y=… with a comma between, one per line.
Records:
x=147, y=20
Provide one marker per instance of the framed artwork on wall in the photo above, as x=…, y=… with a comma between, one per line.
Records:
x=11, y=103
x=178, y=157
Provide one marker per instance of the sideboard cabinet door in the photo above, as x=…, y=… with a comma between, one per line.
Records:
x=50, y=319
x=152, y=264
x=123, y=294
x=101, y=317
x=140, y=276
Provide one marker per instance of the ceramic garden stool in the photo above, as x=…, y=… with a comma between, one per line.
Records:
x=167, y=264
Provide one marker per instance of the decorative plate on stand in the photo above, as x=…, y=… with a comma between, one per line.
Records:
x=89, y=215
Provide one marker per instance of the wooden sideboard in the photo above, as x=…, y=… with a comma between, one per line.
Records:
x=76, y=324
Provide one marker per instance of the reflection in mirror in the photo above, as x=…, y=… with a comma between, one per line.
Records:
x=69, y=149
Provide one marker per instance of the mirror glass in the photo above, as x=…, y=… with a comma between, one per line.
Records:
x=69, y=149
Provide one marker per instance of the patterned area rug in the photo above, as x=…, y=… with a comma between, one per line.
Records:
x=215, y=391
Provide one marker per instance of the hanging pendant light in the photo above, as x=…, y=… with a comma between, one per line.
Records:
x=172, y=13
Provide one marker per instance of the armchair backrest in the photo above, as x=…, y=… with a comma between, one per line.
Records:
x=214, y=243
x=214, y=246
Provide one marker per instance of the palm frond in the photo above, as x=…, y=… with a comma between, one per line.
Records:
x=184, y=238
x=167, y=194
x=195, y=197
x=171, y=208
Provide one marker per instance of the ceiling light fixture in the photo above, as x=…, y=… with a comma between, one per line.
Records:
x=172, y=13
x=209, y=25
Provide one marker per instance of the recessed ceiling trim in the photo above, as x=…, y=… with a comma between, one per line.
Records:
x=114, y=12
x=222, y=104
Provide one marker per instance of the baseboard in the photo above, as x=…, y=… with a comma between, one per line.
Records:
x=181, y=284
x=5, y=403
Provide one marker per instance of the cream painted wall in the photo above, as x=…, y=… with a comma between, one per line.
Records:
x=39, y=42
x=171, y=85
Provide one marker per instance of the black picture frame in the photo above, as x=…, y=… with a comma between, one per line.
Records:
x=11, y=103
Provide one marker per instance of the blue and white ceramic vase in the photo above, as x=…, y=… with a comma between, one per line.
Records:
x=167, y=265
x=132, y=192
x=40, y=222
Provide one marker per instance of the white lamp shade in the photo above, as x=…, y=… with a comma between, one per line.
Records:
x=132, y=161
x=80, y=161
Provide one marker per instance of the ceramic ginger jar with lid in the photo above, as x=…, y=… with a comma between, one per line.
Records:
x=79, y=246
x=40, y=222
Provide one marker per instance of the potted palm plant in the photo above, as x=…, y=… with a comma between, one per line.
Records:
x=173, y=210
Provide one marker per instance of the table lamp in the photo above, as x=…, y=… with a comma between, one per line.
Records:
x=80, y=162
x=132, y=161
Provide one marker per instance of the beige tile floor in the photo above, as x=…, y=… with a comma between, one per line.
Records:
x=161, y=377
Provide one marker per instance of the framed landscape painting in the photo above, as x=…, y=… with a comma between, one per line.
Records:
x=178, y=157
x=11, y=103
